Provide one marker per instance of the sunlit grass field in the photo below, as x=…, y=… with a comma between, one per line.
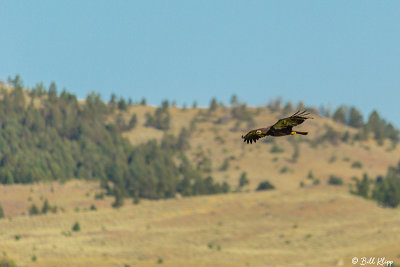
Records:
x=310, y=226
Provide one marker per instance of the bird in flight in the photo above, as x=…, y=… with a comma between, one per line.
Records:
x=280, y=128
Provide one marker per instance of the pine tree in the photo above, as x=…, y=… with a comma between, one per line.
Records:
x=325, y=111
x=34, y=210
x=234, y=100
x=363, y=186
x=132, y=122
x=119, y=198
x=265, y=185
x=393, y=134
x=1, y=212
x=275, y=104
x=46, y=206
x=243, y=180
x=38, y=90
x=301, y=106
x=120, y=122
x=16, y=82
x=161, y=118
x=52, y=92
x=377, y=126
x=387, y=190
x=183, y=140
x=287, y=109
x=213, y=105
x=340, y=115
x=122, y=104
x=113, y=99
x=76, y=227
x=355, y=118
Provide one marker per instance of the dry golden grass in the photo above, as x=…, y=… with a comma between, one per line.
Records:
x=313, y=226
x=291, y=226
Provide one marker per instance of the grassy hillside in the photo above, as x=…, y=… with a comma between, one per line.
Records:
x=219, y=142
x=312, y=226
x=303, y=222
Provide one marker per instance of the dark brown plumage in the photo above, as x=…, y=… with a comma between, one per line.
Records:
x=281, y=128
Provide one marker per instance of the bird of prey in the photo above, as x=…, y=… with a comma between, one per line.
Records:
x=280, y=128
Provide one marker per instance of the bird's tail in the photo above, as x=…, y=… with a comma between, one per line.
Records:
x=302, y=133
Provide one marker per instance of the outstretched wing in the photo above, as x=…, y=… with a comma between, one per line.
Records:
x=254, y=135
x=296, y=119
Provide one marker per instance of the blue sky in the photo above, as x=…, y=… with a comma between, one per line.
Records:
x=318, y=52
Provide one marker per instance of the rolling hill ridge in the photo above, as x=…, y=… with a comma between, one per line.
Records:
x=186, y=207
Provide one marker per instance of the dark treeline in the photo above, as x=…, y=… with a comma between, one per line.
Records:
x=55, y=137
x=374, y=127
x=151, y=171
x=384, y=189
x=161, y=118
x=52, y=136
